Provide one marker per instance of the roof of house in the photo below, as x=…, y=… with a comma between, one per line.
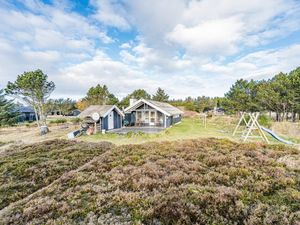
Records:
x=163, y=107
x=102, y=110
x=25, y=109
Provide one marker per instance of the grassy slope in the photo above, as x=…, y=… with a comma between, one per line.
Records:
x=24, y=170
x=189, y=128
x=218, y=127
x=205, y=181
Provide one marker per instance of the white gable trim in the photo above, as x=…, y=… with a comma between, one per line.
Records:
x=128, y=109
x=112, y=108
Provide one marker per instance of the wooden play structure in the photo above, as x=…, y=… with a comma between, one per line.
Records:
x=249, y=127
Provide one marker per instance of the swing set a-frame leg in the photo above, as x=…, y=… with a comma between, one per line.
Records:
x=239, y=123
x=262, y=134
x=252, y=124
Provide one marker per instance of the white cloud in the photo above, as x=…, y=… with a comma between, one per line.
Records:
x=213, y=27
x=125, y=46
x=45, y=37
x=50, y=30
x=119, y=77
x=187, y=47
x=109, y=12
x=259, y=65
x=210, y=37
x=153, y=60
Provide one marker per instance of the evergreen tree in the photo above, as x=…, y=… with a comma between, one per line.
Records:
x=137, y=94
x=160, y=96
x=294, y=77
x=242, y=97
x=8, y=114
x=99, y=95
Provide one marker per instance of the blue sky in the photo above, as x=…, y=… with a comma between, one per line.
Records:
x=187, y=47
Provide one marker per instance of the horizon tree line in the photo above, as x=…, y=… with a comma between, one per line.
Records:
x=279, y=94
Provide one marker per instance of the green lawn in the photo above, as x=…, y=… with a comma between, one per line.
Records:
x=189, y=128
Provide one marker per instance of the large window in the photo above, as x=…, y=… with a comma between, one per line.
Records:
x=160, y=119
x=152, y=116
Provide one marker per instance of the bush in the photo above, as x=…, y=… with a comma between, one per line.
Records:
x=265, y=120
x=75, y=120
x=61, y=120
x=131, y=134
x=203, y=181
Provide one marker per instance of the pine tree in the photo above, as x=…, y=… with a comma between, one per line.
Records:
x=160, y=96
x=136, y=94
x=8, y=114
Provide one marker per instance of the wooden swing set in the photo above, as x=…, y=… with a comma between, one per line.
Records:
x=251, y=126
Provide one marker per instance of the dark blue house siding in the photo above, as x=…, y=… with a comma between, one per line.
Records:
x=117, y=120
x=104, y=124
x=26, y=117
x=169, y=121
x=176, y=119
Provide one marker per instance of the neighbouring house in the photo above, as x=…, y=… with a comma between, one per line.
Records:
x=26, y=114
x=75, y=112
x=219, y=111
x=110, y=117
x=148, y=113
x=54, y=113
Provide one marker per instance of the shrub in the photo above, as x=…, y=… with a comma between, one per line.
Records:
x=265, y=120
x=75, y=120
x=24, y=170
x=204, y=181
x=57, y=121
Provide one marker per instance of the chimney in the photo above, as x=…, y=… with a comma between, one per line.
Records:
x=132, y=101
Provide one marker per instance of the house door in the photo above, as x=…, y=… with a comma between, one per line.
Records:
x=111, y=120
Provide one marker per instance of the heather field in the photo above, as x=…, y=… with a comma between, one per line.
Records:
x=24, y=170
x=199, y=181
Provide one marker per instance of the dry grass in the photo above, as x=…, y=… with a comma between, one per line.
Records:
x=30, y=134
x=204, y=181
x=287, y=129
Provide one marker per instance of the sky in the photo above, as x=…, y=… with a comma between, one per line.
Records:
x=187, y=47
